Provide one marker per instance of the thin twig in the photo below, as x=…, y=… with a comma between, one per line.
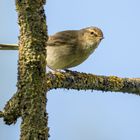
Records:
x=8, y=47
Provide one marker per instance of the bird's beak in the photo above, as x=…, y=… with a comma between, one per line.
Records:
x=101, y=38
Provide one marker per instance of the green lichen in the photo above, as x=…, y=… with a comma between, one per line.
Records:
x=115, y=83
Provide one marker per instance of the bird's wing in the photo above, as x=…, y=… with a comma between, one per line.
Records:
x=63, y=38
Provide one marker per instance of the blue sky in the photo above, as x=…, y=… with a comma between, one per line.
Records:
x=83, y=115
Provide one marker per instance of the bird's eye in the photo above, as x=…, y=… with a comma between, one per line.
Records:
x=93, y=33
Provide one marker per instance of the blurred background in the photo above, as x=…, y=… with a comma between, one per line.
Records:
x=83, y=115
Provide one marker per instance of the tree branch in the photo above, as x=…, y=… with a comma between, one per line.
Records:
x=8, y=47
x=32, y=69
x=11, y=110
x=1, y=114
x=74, y=80
x=83, y=81
x=78, y=81
x=30, y=100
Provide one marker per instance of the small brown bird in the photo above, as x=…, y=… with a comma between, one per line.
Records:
x=70, y=48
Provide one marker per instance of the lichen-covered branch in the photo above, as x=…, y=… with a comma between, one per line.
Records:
x=73, y=80
x=1, y=114
x=32, y=69
x=11, y=110
x=30, y=100
x=83, y=81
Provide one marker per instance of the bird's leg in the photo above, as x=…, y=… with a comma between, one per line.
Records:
x=54, y=71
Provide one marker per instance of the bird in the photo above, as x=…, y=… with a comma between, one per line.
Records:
x=70, y=48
